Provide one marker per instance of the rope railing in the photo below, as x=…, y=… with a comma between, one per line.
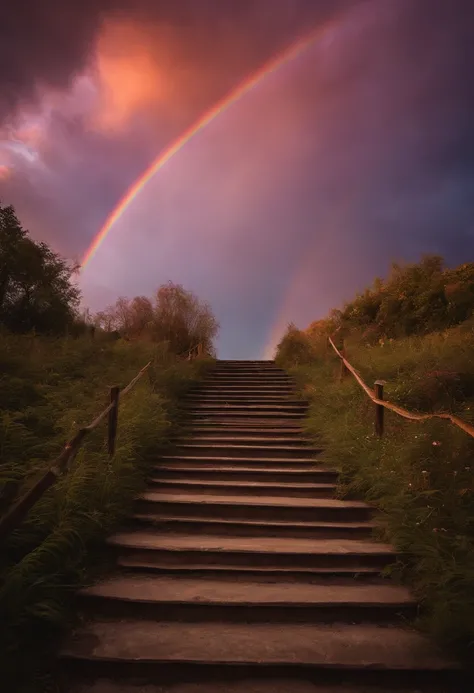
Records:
x=377, y=398
x=15, y=516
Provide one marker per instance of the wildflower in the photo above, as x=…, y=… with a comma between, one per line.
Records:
x=435, y=529
x=455, y=473
x=409, y=485
x=468, y=469
x=436, y=442
x=424, y=471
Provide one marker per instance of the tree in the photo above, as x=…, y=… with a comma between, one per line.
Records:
x=175, y=315
x=36, y=287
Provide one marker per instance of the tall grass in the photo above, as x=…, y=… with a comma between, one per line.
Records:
x=419, y=475
x=49, y=388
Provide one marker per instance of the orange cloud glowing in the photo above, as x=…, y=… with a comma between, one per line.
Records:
x=129, y=77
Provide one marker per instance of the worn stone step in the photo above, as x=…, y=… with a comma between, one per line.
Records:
x=262, y=684
x=250, y=424
x=210, y=431
x=148, y=647
x=234, y=488
x=224, y=438
x=138, y=563
x=282, y=462
x=216, y=525
x=237, y=386
x=194, y=599
x=243, y=450
x=256, y=400
x=251, y=372
x=218, y=472
x=287, y=407
x=271, y=552
x=226, y=413
x=256, y=381
x=211, y=388
x=252, y=508
x=246, y=364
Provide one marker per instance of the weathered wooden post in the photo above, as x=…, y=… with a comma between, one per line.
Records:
x=113, y=418
x=379, y=408
x=199, y=350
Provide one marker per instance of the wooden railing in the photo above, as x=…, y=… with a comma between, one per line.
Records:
x=376, y=395
x=15, y=516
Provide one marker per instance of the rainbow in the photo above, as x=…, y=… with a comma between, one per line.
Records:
x=286, y=56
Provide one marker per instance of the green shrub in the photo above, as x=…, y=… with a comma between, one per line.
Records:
x=50, y=388
x=419, y=475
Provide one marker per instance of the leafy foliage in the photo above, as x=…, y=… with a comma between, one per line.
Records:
x=50, y=387
x=420, y=474
x=175, y=315
x=414, y=299
x=36, y=287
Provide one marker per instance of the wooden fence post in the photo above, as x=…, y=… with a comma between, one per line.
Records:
x=113, y=417
x=199, y=350
x=379, y=409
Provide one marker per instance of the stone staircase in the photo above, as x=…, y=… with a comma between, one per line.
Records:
x=241, y=571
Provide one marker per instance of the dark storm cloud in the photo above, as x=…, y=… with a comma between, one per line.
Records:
x=46, y=42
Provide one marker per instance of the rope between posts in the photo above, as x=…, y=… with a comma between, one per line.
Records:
x=412, y=416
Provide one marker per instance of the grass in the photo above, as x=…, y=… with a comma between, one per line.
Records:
x=419, y=475
x=49, y=388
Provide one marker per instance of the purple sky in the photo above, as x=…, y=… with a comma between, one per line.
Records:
x=358, y=152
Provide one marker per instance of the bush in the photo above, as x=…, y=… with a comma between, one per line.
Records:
x=294, y=348
x=419, y=475
x=50, y=388
x=415, y=299
x=174, y=315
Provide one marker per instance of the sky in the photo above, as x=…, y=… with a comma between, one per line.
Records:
x=357, y=152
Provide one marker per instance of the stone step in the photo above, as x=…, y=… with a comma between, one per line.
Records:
x=221, y=413
x=233, y=372
x=293, y=432
x=138, y=563
x=283, y=462
x=219, y=472
x=235, y=488
x=252, y=508
x=273, y=407
x=252, y=438
x=249, y=381
x=243, y=389
x=242, y=450
x=255, y=419
x=250, y=528
x=193, y=599
x=149, y=649
x=225, y=398
x=252, y=424
x=264, y=684
x=272, y=552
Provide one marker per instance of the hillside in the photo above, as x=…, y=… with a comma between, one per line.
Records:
x=50, y=388
x=416, y=333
